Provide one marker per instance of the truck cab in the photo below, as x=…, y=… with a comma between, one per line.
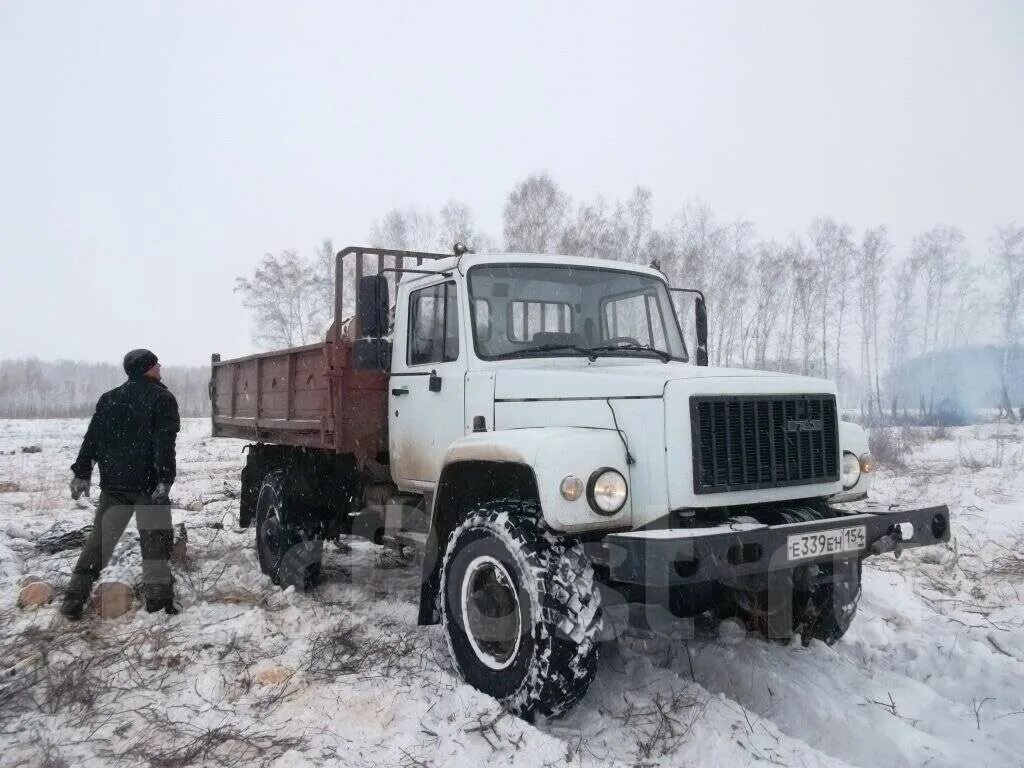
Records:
x=592, y=352
x=547, y=433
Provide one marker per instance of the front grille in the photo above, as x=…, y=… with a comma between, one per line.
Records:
x=742, y=442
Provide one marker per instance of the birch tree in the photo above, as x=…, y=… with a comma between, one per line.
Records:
x=633, y=225
x=769, y=297
x=285, y=295
x=535, y=215
x=833, y=249
x=456, y=226
x=874, y=250
x=1008, y=249
x=936, y=254
x=589, y=232
x=405, y=230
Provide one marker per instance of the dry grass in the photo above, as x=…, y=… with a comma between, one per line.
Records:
x=1011, y=561
x=890, y=446
x=348, y=649
x=166, y=742
x=660, y=725
x=1004, y=453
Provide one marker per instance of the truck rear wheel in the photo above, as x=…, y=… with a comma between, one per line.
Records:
x=521, y=610
x=287, y=554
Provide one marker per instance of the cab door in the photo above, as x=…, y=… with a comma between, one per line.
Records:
x=427, y=383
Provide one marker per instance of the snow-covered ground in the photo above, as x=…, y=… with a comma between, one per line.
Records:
x=932, y=673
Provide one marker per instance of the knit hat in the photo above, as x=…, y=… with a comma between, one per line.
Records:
x=137, y=362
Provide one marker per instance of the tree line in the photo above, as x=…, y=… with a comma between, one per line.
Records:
x=828, y=301
x=33, y=389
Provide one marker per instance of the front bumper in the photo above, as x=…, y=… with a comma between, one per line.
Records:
x=685, y=556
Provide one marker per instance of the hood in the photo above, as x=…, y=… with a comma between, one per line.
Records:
x=607, y=378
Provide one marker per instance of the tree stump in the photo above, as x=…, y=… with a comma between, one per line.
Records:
x=35, y=594
x=272, y=674
x=113, y=598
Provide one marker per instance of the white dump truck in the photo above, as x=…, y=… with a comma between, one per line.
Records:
x=537, y=427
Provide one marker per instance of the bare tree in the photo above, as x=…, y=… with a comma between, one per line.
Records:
x=535, y=215
x=285, y=295
x=699, y=242
x=833, y=248
x=901, y=326
x=408, y=230
x=936, y=255
x=967, y=308
x=324, y=276
x=805, y=301
x=633, y=225
x=589, y=232
x=874, y=250
x=770, y=281
x=456, y=226
x=728, y=283
x=1008, y=248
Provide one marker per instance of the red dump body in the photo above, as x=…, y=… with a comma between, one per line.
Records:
x=304, y=396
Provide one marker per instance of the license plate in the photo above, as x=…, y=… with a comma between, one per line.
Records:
x=804, y=545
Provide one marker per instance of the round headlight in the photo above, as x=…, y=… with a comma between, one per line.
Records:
x=606, y=491
x=571, y=488
x=851, y=470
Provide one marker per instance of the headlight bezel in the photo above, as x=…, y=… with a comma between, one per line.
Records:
x=592, y=491
x=849, y=470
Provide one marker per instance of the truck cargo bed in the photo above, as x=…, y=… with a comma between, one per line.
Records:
x=304, y=396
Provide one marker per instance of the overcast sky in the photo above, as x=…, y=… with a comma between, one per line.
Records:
x=152, y=152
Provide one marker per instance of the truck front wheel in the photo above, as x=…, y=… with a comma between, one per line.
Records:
x=521, y=610
x=287, y=553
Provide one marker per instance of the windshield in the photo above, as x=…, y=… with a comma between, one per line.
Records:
x=533, y=310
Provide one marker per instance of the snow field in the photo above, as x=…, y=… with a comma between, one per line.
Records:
x=931, y=673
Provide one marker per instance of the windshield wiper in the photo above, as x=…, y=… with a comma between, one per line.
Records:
x=547, y=348
x=662, y=354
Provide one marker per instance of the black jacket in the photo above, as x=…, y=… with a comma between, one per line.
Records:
x=131, y=436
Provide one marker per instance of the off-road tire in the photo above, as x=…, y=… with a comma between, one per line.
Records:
x=559, y=605
x=827, y=612
x=287, y=554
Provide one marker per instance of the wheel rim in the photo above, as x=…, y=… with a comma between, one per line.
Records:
x=490, y=610
x=270, y=535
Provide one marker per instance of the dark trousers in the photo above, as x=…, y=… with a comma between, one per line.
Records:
x=155, y=537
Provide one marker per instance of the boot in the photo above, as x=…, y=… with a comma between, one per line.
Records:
x=76, y=596
x=157, y=604
x=71, y=607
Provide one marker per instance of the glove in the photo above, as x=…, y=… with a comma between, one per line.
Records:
x=161, y=494
x=79, y=486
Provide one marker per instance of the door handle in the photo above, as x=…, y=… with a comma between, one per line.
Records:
x=434, y=383
x=400, y=391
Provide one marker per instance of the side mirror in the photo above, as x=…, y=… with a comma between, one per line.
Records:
x=701, y=317
x=372, y=306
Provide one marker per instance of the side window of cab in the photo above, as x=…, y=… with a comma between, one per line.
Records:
x=433, y=325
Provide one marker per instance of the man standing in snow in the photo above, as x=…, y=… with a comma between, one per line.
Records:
x=131, y=436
